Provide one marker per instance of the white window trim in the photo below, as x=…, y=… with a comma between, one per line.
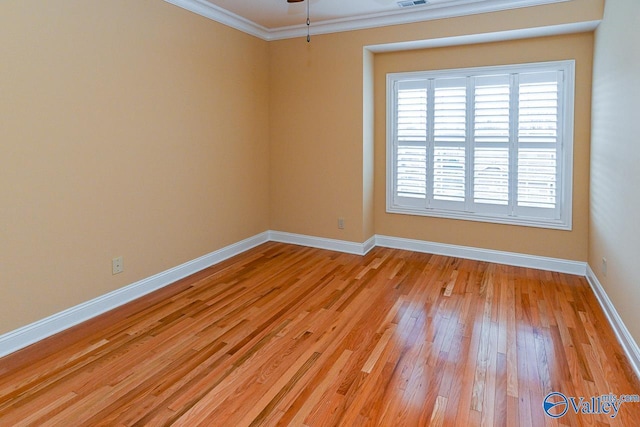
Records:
x=565, y=196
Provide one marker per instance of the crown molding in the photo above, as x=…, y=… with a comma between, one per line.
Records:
x=404, y=16
x=223, y=16
x=522, y=33
x=401, y=16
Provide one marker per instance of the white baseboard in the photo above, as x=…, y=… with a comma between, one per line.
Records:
x=27, y=335
x=323, y=243
x=624, y=336
x=488, y=255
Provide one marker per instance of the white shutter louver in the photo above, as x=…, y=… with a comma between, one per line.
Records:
x=491, y=140
x=449, y=140
x=411, y=140
x=538, y=140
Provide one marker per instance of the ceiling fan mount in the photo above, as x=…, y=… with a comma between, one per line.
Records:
x=308, y=20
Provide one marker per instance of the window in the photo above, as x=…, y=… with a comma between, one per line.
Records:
x=488, y=144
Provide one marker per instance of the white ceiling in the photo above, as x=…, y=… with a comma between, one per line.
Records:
x=273, y=14
x=274, y=19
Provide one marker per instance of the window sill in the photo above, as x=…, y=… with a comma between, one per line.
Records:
x=495, y=219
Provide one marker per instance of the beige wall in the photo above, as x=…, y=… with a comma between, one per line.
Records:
x=552, y=243
x=316, y=136
x=130, y=128
x=139, y=129
x=320, y=150
x=614, y=231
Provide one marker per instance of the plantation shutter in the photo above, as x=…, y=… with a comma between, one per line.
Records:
x=491, y=143
x=538, y=143
x=482, y=144
x=411, y=142
x=449, y=143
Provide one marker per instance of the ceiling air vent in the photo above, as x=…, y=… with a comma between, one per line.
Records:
x=411, y=3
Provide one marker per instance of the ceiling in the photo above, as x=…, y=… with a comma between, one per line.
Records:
x=275, y=19
x=273, y=14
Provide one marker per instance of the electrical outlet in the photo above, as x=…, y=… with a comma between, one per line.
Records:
x=604, y=266
x=341, y=223
x=117, y=265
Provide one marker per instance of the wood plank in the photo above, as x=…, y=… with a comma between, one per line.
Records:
x=289, y=335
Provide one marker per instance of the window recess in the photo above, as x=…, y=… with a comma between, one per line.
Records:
x=486, y=144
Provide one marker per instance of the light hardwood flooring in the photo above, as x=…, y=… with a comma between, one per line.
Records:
x=288, y=335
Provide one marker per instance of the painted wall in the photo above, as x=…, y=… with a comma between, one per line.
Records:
x=320, y=149
x=614, y=231
x=139, y=129
x=538, y=241
x=130, y=128
x=316, y=136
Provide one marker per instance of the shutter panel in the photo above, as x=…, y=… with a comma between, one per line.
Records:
x=449, y=140
x=538, y=141
x=486, y=144
x=491, y=140
x=411, y=140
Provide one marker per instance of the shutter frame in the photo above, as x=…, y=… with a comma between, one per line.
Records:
x=473, y=206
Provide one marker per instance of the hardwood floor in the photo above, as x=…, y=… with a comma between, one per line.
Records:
x=288, y=335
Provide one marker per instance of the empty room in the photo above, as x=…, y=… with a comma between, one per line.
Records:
x=319, y=212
